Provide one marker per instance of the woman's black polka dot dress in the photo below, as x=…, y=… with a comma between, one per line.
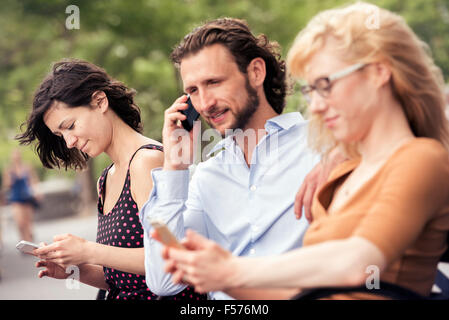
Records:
x=121, y=228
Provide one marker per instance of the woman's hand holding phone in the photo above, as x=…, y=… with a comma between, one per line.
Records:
x=52, y=270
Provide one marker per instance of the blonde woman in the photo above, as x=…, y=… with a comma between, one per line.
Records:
x=376, y=93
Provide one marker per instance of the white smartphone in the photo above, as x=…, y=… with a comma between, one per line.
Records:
x=26, y=246
x=166, y=237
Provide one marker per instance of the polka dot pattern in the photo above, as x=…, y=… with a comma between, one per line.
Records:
x=121, y=228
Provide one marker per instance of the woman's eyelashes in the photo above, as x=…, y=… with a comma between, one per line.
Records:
x=60, y=135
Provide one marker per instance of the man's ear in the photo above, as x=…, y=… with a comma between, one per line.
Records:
x=257, y=72
x=100, y=100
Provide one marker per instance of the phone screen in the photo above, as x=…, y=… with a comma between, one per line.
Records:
x=191, y=114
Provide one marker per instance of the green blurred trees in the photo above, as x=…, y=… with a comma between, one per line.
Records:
x=132, y=40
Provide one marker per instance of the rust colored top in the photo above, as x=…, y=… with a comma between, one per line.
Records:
x=403, y=210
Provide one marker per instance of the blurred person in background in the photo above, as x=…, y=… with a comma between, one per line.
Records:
x=19, y=183
x=78, y=112
x=377, y=93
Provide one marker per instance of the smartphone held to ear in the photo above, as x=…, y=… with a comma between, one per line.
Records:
x=165, y=236
x=191, y=114
x=26, y=247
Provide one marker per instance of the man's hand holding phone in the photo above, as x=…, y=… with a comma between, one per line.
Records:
x=191, y=115
x=178, y=142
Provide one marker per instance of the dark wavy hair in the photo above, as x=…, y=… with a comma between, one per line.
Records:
x=236, y=36
x=73, y=82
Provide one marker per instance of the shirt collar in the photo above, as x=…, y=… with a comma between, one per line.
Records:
x=280, y=122
x=283, y=122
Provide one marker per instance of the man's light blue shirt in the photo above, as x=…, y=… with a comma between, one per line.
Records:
x=247, y=210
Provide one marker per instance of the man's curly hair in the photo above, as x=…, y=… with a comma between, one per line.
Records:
x=236, y=36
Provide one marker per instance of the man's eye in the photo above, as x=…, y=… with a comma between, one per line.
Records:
x=190, y=91
x=72, y=126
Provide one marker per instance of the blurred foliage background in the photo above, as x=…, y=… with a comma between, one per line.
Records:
x=132, y=40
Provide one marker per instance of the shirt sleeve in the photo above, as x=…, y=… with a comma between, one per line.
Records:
x=414, y=191
x=174, y=201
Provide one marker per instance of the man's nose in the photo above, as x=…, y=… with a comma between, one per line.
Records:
x=207, y=100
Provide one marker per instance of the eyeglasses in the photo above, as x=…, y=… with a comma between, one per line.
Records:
x=324, y=85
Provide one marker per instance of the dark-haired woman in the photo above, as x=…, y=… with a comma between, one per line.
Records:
x=78, y=112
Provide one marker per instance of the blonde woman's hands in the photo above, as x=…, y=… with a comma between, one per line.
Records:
x=204, y=264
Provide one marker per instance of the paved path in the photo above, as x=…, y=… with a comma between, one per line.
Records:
x=19, y=275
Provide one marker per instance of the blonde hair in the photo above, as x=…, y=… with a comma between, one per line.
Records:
x=366, y=34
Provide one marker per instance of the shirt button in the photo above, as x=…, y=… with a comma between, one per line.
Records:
x=252, y=251
x=255, y=228
x=253, y=188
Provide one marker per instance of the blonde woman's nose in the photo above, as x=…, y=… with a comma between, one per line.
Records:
x=317, y=103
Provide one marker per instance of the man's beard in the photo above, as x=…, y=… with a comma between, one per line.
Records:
x=243, y=116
